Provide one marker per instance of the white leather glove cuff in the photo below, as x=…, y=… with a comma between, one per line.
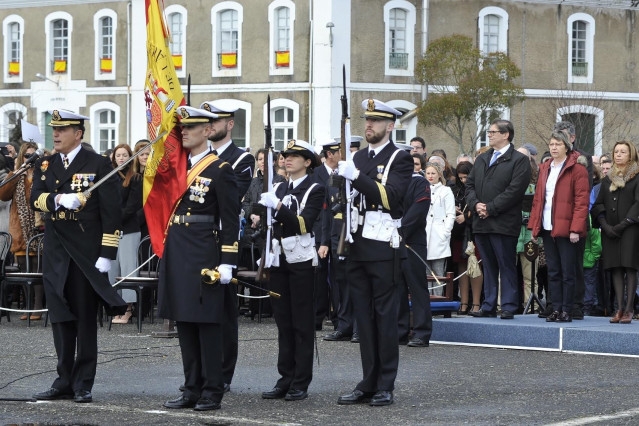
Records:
x=103, y=264
x=269, y=199
x=348, y=170
x=226, y=273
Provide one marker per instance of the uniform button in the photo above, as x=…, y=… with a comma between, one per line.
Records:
x=614, y=198
x=614, y=210
x=57, y=181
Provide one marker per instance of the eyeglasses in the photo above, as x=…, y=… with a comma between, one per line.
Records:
x=492, y=132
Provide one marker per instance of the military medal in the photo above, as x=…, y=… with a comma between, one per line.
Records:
x=85, y=181
x=91, y=179
x=380, y=171
x=43, y=168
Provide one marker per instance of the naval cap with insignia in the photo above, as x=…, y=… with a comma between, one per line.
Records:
x=303, y=148
x=403, y=146
x=223, y=108
x=355, y=141
x=190, y=116
x=378, y=110
x=330, y=145
x=63, y=118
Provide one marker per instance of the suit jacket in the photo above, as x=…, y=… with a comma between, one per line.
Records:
x=390, y=196
x=189, y=249
x=501, y=187
x=243, y=170
x=92, y=234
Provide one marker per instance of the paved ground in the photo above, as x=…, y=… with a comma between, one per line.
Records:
x=442, y=384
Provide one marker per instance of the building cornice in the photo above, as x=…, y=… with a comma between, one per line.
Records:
x=50, y=3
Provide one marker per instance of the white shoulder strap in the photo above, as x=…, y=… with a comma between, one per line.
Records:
x=308, y=191
x=244, y=154
x=388, y=166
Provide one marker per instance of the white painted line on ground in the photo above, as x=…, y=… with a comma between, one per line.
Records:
x=530, y=348
x=184, y=414
x=597, y=419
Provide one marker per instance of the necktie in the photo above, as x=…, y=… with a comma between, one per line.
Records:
x=188, y=164
x=495, y=155
x=290, y=187
x=65, y=161
x=371, y=154
x=334, y=172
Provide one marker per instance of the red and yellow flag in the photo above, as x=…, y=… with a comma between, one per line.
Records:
x=165, y=172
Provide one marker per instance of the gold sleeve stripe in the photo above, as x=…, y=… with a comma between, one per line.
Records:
x=382, y=193
x=41, y=202
x=338, y=216
x=302, y=225
x=111, y=240
x=230, y=249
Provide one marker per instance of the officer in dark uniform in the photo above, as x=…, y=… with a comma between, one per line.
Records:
x=296, y=205
x=416, y=206
x=243, y=164
x=346, y=328
x=380, y=174
x=196, y=241
x=80, y=238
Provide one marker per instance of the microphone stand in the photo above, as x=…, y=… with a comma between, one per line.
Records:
x=21, y=171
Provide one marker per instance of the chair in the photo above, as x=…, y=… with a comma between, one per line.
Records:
x=148, y=279
x=31, y=277
x=250, y=276
x=443, y=304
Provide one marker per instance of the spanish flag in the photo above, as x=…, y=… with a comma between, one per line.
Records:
x=165, y=172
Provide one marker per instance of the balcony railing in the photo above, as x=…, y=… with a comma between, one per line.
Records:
x=398, y=61
x=580, y=69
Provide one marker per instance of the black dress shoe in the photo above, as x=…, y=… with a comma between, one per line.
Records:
x=483, y=314
x=182, y=388
x=355, y=397
x=337, y=336
x=564, y=317
x=295, y=395
x=275, y=393
x=83, y=396
x=546, y=312
x=382, y=398
x=180, y=402
x=417, y=343
x=576, y=314
x=507, y=315
x=355, y=338
x=552, y=317
x=206, y=404
x=52, y=394
x=227, y=387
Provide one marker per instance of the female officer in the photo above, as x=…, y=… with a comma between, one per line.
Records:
x=296, y=205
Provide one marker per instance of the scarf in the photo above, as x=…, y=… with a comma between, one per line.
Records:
x=618, y=178
x=26, y=215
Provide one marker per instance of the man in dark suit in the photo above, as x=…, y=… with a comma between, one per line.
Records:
x=380, y=174
x=332, y=220
x=203, y=234
x=243, y=164
x=494, y=193
x=80, y=239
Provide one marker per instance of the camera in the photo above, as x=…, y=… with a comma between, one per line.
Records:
x=524, y=221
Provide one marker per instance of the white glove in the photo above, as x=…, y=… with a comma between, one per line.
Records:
x=226, y=273
x=269, y=199
x=103, y=264
x=70, y=201
x=348, y=170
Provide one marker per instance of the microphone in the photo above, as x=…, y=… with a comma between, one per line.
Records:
x=39, y=153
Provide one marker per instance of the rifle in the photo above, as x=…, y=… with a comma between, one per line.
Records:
x=345, y=237
x=266, y=215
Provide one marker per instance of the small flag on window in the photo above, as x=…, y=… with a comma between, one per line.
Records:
x=229, y=60
x=177, y=62
x=60, y=65
x=106, y=65
x=282, y=58
x=14, y=68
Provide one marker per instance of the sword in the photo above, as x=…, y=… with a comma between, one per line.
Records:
x=85, y=195
x=212, y=277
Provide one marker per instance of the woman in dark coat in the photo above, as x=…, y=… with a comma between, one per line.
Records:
x=617, y=211
x=559, y=213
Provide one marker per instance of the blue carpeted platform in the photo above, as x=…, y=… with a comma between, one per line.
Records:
x=592, y=334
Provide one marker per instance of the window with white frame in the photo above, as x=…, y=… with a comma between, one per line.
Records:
x=581, y=32
x=284, y=120
x=493, y=30
x=399, y=20
x=281, y=16
x=176, y=22
x=484, y=118
x=588, y=122
x=105, y=23
x=58, y=29
x=105, y=122
x=226, y=19
x=13, y=30
x=406, y=124
x=10, y=114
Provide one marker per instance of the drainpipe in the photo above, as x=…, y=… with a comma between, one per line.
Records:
x=310, y=73
x=128, y=72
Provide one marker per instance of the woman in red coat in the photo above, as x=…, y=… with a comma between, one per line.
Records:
x=559, y=213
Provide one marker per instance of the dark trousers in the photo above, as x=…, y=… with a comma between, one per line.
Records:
x=580, y=279
x=295, y=319
x=229, y=333
x=375, y=300
x=321, y=297
x=499, y=259
x=77, y=373
x=202, y=360
x=345, y=317
x=414, y=281
x=561, y=259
